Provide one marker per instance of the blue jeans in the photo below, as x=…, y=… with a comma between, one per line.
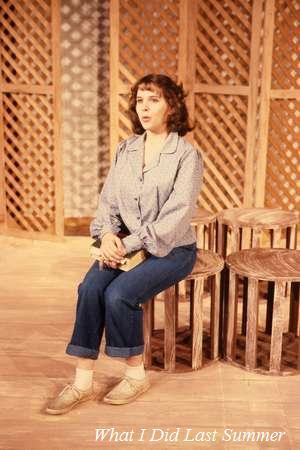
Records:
x=111, y=299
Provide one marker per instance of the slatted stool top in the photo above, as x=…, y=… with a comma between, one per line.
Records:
x=270, y=264
x=258, y=217
x=207, y=263
x=202, y=216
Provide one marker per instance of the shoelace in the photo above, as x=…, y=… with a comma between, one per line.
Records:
x=73, y=388
x=132, y=382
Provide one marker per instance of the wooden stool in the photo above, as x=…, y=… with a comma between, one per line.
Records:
x=280, y=353
x=205, y=224
x=208, y=265
x=240, y=228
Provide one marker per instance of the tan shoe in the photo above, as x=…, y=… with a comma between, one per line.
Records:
x=127, y=390
x=68, y=398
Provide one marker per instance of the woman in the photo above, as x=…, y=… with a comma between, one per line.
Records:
x=151, y=191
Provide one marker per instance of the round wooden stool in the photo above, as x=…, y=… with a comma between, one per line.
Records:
x=240, y=228
x=205, y=224
x=280, y=352
x=186, y=344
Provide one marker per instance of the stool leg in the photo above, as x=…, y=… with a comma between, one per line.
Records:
x=147, y=327
x=270, y=305
x=256, y=238
x=177, y=295
x=232, y=306
x=294, y=318
x=245, y=306
x=200, y=237
x=277, y=327
x=170, y=300
x=214, y=315
x=192, y=295
x=276, y=238
x=197, y=333
x=252, y=324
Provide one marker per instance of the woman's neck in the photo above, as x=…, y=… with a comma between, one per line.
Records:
x=156, y=137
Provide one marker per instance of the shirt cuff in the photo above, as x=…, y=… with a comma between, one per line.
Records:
x=108, y=229
x=132, y=243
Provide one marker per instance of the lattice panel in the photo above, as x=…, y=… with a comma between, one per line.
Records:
x=148, y=42
x=220, y=133
x=26, y=41
x=29, y=161
x=148, y=38
x=283, y=157
x=85, y=93
x=223, y=42
x=286, y=48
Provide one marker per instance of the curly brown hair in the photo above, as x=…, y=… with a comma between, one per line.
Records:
x=178, y=119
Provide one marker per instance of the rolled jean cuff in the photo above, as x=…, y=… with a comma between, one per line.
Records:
x=83, y=352
x=124, y=352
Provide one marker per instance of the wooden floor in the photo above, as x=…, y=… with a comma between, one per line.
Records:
x=38, y=285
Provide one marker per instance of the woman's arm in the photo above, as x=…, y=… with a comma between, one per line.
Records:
x=174, y=218
x=107, y=218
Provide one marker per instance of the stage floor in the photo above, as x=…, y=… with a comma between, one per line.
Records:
x=38, y=286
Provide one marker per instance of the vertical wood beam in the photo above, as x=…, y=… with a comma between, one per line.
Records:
x=57, y=122
x=252, y=102
x=114, y=76
x=260, y=184
x=187, y=53
x=3, y=216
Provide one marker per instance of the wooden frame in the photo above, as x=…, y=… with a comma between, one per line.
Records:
x=32, y=199
x=247, y=160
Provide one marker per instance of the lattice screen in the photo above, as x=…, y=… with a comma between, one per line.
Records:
x=283, y=152
x=223, y=42
x=221, y=123
x=29, y=119
x=148, y=42
x=226, y=78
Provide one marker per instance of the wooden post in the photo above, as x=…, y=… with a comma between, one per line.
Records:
x=114, y=76
x=187, y=52
x=57, y=123
x=252, y=102
x=3, y=218
x=265, y=104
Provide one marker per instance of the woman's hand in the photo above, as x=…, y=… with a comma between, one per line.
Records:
x=112, y=250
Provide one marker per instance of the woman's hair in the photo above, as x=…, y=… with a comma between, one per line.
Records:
x=178, y=119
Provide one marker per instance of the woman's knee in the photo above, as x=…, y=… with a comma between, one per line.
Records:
x=115, y=295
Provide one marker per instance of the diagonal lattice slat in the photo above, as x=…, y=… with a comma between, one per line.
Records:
x=223, y=42
x=29, y=161
x=148, y=42
x=283, y=162
x=220, y=134
x=286, y=47
x=148, y=38
x=26, y=42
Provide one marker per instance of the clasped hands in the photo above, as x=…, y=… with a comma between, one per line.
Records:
x=112, y=251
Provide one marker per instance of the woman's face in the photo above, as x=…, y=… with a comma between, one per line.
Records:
x=152, y=110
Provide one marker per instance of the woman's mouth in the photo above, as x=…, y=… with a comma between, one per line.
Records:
x=145, y=118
